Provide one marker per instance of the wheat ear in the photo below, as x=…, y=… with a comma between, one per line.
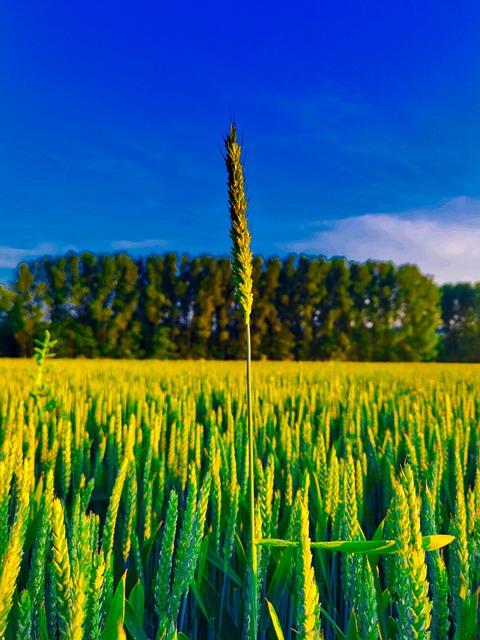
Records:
x=308, y=601
x=62, y=568
x=239, y=234
x=162, y=588
x=12, y=560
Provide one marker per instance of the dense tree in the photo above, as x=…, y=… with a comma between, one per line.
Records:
x=225, y=306
x=9, y=346
x=206, y=296
x=380, y=314
x=360, y=321
x=27, y=312
x=334, y=313
x=266, y=324
x=418, y=315
x=156, y=307
x=181, y=307
x=61, y=277
x=309, y=292
x=283, y=345
x=124, y=331
x=460, y=336
x=75, y=334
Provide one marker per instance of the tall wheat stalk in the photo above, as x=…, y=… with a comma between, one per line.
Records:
x=242, y=276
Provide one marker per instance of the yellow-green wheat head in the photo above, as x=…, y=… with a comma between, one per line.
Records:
x=237, y=202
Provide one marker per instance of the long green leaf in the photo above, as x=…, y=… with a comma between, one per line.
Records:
x=137, y=600
x=241, y=555
x=469, y=627
x=275, y=621
x=218, y=562
x=209, y=600
x=429, y=543
x=382, y=597
x=338, y=632
x=278, y=583
x=116, y=615
x=346, y=546
x=43, y=623
x=197, y=593
x=133, y=624
x=392, y=628
x=352, y=629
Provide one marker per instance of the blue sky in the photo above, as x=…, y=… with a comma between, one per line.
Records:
x=360, y=123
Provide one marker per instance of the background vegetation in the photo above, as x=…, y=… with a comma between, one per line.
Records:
x=179, y=307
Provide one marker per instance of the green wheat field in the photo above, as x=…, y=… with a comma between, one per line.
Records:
x=124, y=509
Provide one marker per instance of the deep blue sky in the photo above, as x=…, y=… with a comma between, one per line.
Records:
x=360, y=121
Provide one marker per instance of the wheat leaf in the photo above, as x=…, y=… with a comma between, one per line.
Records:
x=275, y=621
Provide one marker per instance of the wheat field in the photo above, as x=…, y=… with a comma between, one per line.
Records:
x=124, y=508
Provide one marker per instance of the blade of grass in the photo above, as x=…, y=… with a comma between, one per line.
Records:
x=275, y=621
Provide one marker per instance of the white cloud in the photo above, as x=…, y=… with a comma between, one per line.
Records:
x=11, y=256
x=443, y=242
x=119, y=245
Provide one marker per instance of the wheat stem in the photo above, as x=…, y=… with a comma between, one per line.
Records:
x=242, y=267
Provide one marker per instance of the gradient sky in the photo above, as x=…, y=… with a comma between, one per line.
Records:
x=360, y=121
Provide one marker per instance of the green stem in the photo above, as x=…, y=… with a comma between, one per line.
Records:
x=251, y=473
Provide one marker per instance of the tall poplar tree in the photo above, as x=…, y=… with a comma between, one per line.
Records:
x=418, y=316
x=27, y=310
x=460, y=333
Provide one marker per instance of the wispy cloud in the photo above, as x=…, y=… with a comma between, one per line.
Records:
x=10, y=257
x=70, y=248
x=444, y=242
x=120, y=245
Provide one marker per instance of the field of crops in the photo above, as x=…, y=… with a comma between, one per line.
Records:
x=124, y=510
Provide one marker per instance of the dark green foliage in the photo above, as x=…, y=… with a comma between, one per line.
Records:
x=169, y=307
x=23, y=310
x=460, y=323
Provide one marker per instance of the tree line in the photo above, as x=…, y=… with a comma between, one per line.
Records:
x=170, y=306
